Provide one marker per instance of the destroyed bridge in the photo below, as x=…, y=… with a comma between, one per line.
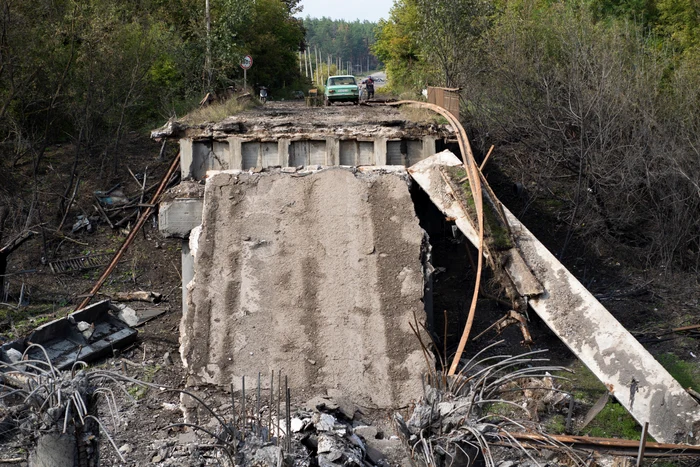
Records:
x=302, y=251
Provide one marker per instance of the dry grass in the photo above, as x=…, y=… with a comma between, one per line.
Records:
x=218, y=111
x=421, y=115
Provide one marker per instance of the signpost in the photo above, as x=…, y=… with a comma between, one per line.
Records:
x=246, y=63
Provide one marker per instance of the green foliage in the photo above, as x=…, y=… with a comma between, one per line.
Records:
x=91, y=70
x=273, y=39
x=398, y=46
x=450, y=36
x=339, y=41
x=556, y=424
x=687, y=374
x=614, y=422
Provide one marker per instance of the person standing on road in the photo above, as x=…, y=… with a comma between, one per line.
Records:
x=370, y=87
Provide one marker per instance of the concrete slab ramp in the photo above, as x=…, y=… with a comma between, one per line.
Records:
x=629, y=371
x=317, y=276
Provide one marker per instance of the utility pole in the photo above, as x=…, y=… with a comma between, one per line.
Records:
x=318, y=78
x=207, y=59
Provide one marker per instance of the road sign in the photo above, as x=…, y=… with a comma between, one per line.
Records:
x=247, y=62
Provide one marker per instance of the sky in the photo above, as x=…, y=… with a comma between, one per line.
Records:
x=349, y=10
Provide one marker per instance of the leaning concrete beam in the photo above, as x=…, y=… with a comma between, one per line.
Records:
x=628, y=370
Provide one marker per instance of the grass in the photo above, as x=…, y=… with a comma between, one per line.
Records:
x=556, y=424
x=498, y=235
x=614, y=422
x=217, y=111
x=687, y=374
x=420, y=115
x=582, y=383
x=19, y=322
x=138, y=392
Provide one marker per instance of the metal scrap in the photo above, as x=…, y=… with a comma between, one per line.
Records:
x=80, y=263
x=86, y=335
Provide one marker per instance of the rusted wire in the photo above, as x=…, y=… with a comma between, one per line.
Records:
x=474, y=176
x=613, y=445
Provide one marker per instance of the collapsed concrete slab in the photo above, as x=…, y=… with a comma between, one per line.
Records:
x=318, y=276
x=627, y=369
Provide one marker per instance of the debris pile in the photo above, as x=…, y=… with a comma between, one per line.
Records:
x=461, y=418
x=326, y=431
x=56, y=411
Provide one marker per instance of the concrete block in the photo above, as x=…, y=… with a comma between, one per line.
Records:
x=282, y=152
x=177, y=217
x=615, y=357
x=186, y=158
x=306, y=276
x=332, y=151
x=235, y=153
x=380, y=151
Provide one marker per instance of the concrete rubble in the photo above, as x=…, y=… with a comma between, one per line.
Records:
x=321, y=434
x=316, y=275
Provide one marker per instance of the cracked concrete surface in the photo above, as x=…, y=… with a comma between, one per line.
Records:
x=317, y=276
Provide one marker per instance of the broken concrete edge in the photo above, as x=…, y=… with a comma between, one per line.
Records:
x=231, y=197
x=312, y=169
x=262, y=128
x=519, y=274
x=179, y=215
x=616, y=358
x=53, y=336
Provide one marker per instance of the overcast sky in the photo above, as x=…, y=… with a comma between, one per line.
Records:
x=349, y=10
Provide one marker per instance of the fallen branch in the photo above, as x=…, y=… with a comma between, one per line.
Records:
x=130, y=238
x=486, y=159
x=16, y=242
x=103, y=213
x=70, y=203
x=140, y=296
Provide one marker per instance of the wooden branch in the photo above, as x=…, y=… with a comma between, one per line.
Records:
x=102, y=211
x=16, y=242
x=486, y=159
x=70, y=203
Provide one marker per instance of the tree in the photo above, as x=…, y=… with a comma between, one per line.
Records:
x=450, y=32
x=273, y=37
x=399, y=48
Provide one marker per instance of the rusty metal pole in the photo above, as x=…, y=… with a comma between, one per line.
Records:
x=474, y=176
x=642, y=444
x=130, y=238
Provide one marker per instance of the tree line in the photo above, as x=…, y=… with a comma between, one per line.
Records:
x=341, y=46
x=87, y=71
x=594, y=106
